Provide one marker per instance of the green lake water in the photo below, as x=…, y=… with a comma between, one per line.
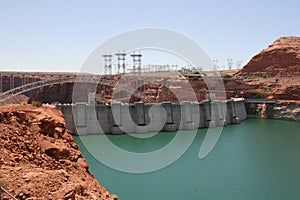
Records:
x=255, y=160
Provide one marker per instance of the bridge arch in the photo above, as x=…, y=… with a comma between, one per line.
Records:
x=85, y=79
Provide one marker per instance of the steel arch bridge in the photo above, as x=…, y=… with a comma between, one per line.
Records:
x=80, y=79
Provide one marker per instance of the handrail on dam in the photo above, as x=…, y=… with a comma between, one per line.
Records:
x=86, y=79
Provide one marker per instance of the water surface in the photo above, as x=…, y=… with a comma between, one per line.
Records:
x=257, y=159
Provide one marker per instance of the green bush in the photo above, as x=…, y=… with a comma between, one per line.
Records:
x=265, y=90
x=228, y=76
x=265, y=75
x=247, y=76
x=3, y=184
x=37, y=103
x=260, y=95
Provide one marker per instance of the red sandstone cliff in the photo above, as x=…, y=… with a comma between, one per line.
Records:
x=39, y=158
x=281, y=58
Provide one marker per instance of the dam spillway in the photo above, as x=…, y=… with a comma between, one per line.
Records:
x=119, y=118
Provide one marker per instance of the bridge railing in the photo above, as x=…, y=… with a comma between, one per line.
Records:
x=31, y=86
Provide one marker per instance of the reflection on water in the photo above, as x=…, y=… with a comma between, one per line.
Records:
x=257, y=159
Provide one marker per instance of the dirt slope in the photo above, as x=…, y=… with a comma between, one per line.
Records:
x=39, y=158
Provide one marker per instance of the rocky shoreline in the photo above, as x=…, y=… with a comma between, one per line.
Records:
x=282, y=109
x=39, y=158
x=287, y=110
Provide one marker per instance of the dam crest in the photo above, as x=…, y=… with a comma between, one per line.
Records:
x=118, y=118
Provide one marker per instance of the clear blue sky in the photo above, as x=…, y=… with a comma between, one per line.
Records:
x=58, y=35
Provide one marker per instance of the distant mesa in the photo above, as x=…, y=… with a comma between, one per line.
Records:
x=281, y=58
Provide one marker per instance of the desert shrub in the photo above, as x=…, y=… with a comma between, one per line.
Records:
x=265, y=90
x=75, y=164
x=37, y=103
x=3, y=184
x=23, y=103
x=260, y=95
x=265, y=75
x=247, y=76
x=228, y=76
x=24, y=164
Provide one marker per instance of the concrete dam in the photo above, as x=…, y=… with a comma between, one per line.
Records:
x=118, y=118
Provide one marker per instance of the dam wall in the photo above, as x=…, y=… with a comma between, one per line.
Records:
x=118, y=118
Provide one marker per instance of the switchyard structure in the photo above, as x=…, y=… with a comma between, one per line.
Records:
x=230, y=63
x=107, y=63
x=121, y=62
x=215, y=61
x=137, y=62
x=239, y=64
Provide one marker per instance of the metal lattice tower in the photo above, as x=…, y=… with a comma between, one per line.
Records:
x=121, y=62
x=137, y=62
x=239, y=64
x=107, y=64
x=174, y=67
x=230, y=63
x=215, y=64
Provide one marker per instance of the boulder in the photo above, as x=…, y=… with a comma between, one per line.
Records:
x=54, y=150
x=82, y=163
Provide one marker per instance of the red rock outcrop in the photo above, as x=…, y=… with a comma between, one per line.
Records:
x=39, y=158
x=281, y=58
x=287, y=110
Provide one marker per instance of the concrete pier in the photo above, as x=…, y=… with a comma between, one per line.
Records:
x=119, y=118
x=140, y=118
x=209, y=113
x=187, y=123
x=234, y=119
x=169, y=125
x=80, y=118
x=117, y=122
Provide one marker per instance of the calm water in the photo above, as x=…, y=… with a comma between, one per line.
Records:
x=257, y=159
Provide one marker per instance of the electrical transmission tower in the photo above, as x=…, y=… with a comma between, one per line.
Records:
x=239, y=64
x=121, y=62
x=215, y=67
x=137, y=62
x=230, y=63
x=107, y=64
